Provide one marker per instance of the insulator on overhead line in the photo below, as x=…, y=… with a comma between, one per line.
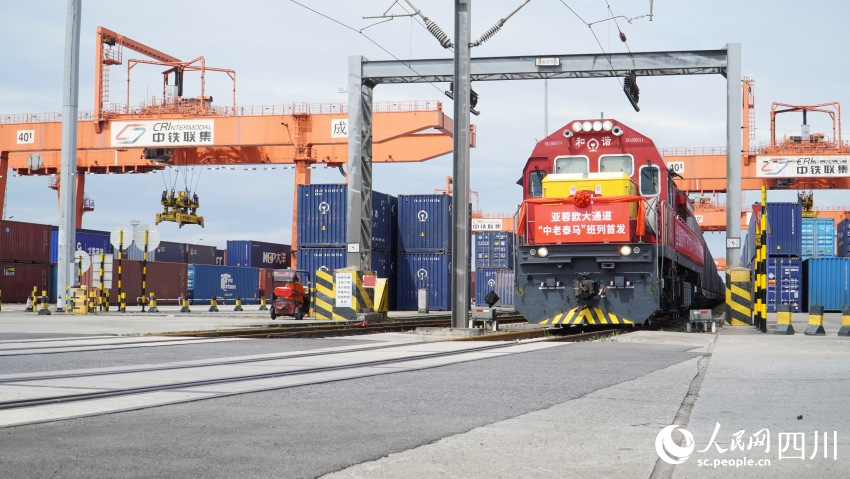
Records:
x=438, y=33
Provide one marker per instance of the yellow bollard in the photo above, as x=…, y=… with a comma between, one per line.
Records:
x=238, y=304
x=783, y=320
x=213, y=305
x=122, y=303
x=815, y=327
x=263, y=306
x=44, y=305
x=185, y=305
x=153, y=308
x=31, y=301
x=845, y=322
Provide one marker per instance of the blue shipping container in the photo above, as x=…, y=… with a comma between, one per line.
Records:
x=385, y=265
x=842, y=238
x=258, y=254
x=393, y=201
x=324, y=259
x=322, y=217
x=818, y=237
x=784, y=283
x=827, y=283
x=494, y=279
x=171, y=252
x=431, y=271
x=224, y=282
x=91, y=241
x=784, y=228
x=424, y=223
x=494, y=249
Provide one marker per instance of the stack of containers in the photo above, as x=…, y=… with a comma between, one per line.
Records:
x=784, y=247
x=818, y=238
x=425, y=250
x=24, y=260
x=322, y=221
x=494, y=266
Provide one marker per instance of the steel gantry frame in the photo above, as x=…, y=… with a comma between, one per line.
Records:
x=365, y=75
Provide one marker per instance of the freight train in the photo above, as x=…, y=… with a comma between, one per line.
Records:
x=605, y=236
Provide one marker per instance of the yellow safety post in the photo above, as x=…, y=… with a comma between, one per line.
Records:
x=68, y=307
x=31, y=300
x=153, y=308
x=122, y=303
x=92, y=303
x=263, y=306
x=213, y=305
x=739, y=297
x=184, y=302
x=238, y=304
x=815, y=327
x=43, y=300
x=845, y=322
x=783, y=320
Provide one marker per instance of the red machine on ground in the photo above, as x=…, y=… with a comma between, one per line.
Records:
x=289, y=297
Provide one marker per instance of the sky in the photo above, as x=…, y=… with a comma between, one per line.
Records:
x=292, y=52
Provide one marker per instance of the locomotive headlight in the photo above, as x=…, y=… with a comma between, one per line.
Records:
x=577, y=126
x=587, y=126
x=625, y=250
x=542, y=251
x=607, y=125
x=597, y=126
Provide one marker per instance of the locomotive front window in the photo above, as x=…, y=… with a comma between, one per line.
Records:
x=649, y=180
x=616, y=164
x=571, y=164
x=535, y=183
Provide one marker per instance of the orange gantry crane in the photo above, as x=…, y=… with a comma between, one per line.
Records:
x=177, y=130
x=806, y=162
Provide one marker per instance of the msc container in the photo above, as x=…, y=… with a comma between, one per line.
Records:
x=171, y=252
x=224, y=282
x=784, y=283
x=199, y=254
x=494, y=249
x=322, y=215
x=91, y=241
x=818, y=237
x=842, y=238
x=827, y=283
x=784, y=228
x=24, y=242
x=258, y=254
x=17, y=280
x=431, y=271
x=424, y=223
x=499, y=280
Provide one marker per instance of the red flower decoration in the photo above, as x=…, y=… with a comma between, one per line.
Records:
x=582, y=199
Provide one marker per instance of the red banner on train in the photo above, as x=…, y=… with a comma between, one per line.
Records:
x=688, y=244
x=567, y=223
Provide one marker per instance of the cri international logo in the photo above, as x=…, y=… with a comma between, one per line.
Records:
x=774, y=166
x=126, y=135
x=668, y=450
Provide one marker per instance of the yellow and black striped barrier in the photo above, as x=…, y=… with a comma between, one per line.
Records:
x=739, y=297
x=340, y=295
x=153, y=308
x=238, y=304
x=783, y=320
x=184, y=304
x=44, y=306
x=213, y=305
x=815, y=327
x=263, y=306
x=586, y=316
x=845, y=322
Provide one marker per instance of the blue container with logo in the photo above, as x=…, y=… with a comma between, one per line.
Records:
x=494, y=249
x=424, y=223
x=827, y=283
x=784, y=283
x=784, y=228
x=224, y=282
x=818, y=237
x=91, y=241
x=258, y=254
x=322, y=215
x=324, y=259
x=431, y=271
x=499, y=280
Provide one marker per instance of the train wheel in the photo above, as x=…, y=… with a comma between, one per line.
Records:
x=272, y=313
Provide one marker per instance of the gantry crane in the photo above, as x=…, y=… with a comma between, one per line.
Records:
x=176, y=130
x=806, y=162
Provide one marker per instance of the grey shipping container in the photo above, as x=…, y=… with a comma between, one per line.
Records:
x=200, y=254
x=827, y=283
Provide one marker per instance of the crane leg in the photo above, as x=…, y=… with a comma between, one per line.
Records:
x=302, y=177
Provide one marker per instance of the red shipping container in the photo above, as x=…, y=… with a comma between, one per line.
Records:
x=18, y=279
x=24, y=242
x=166, y=280
x=266, y=279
